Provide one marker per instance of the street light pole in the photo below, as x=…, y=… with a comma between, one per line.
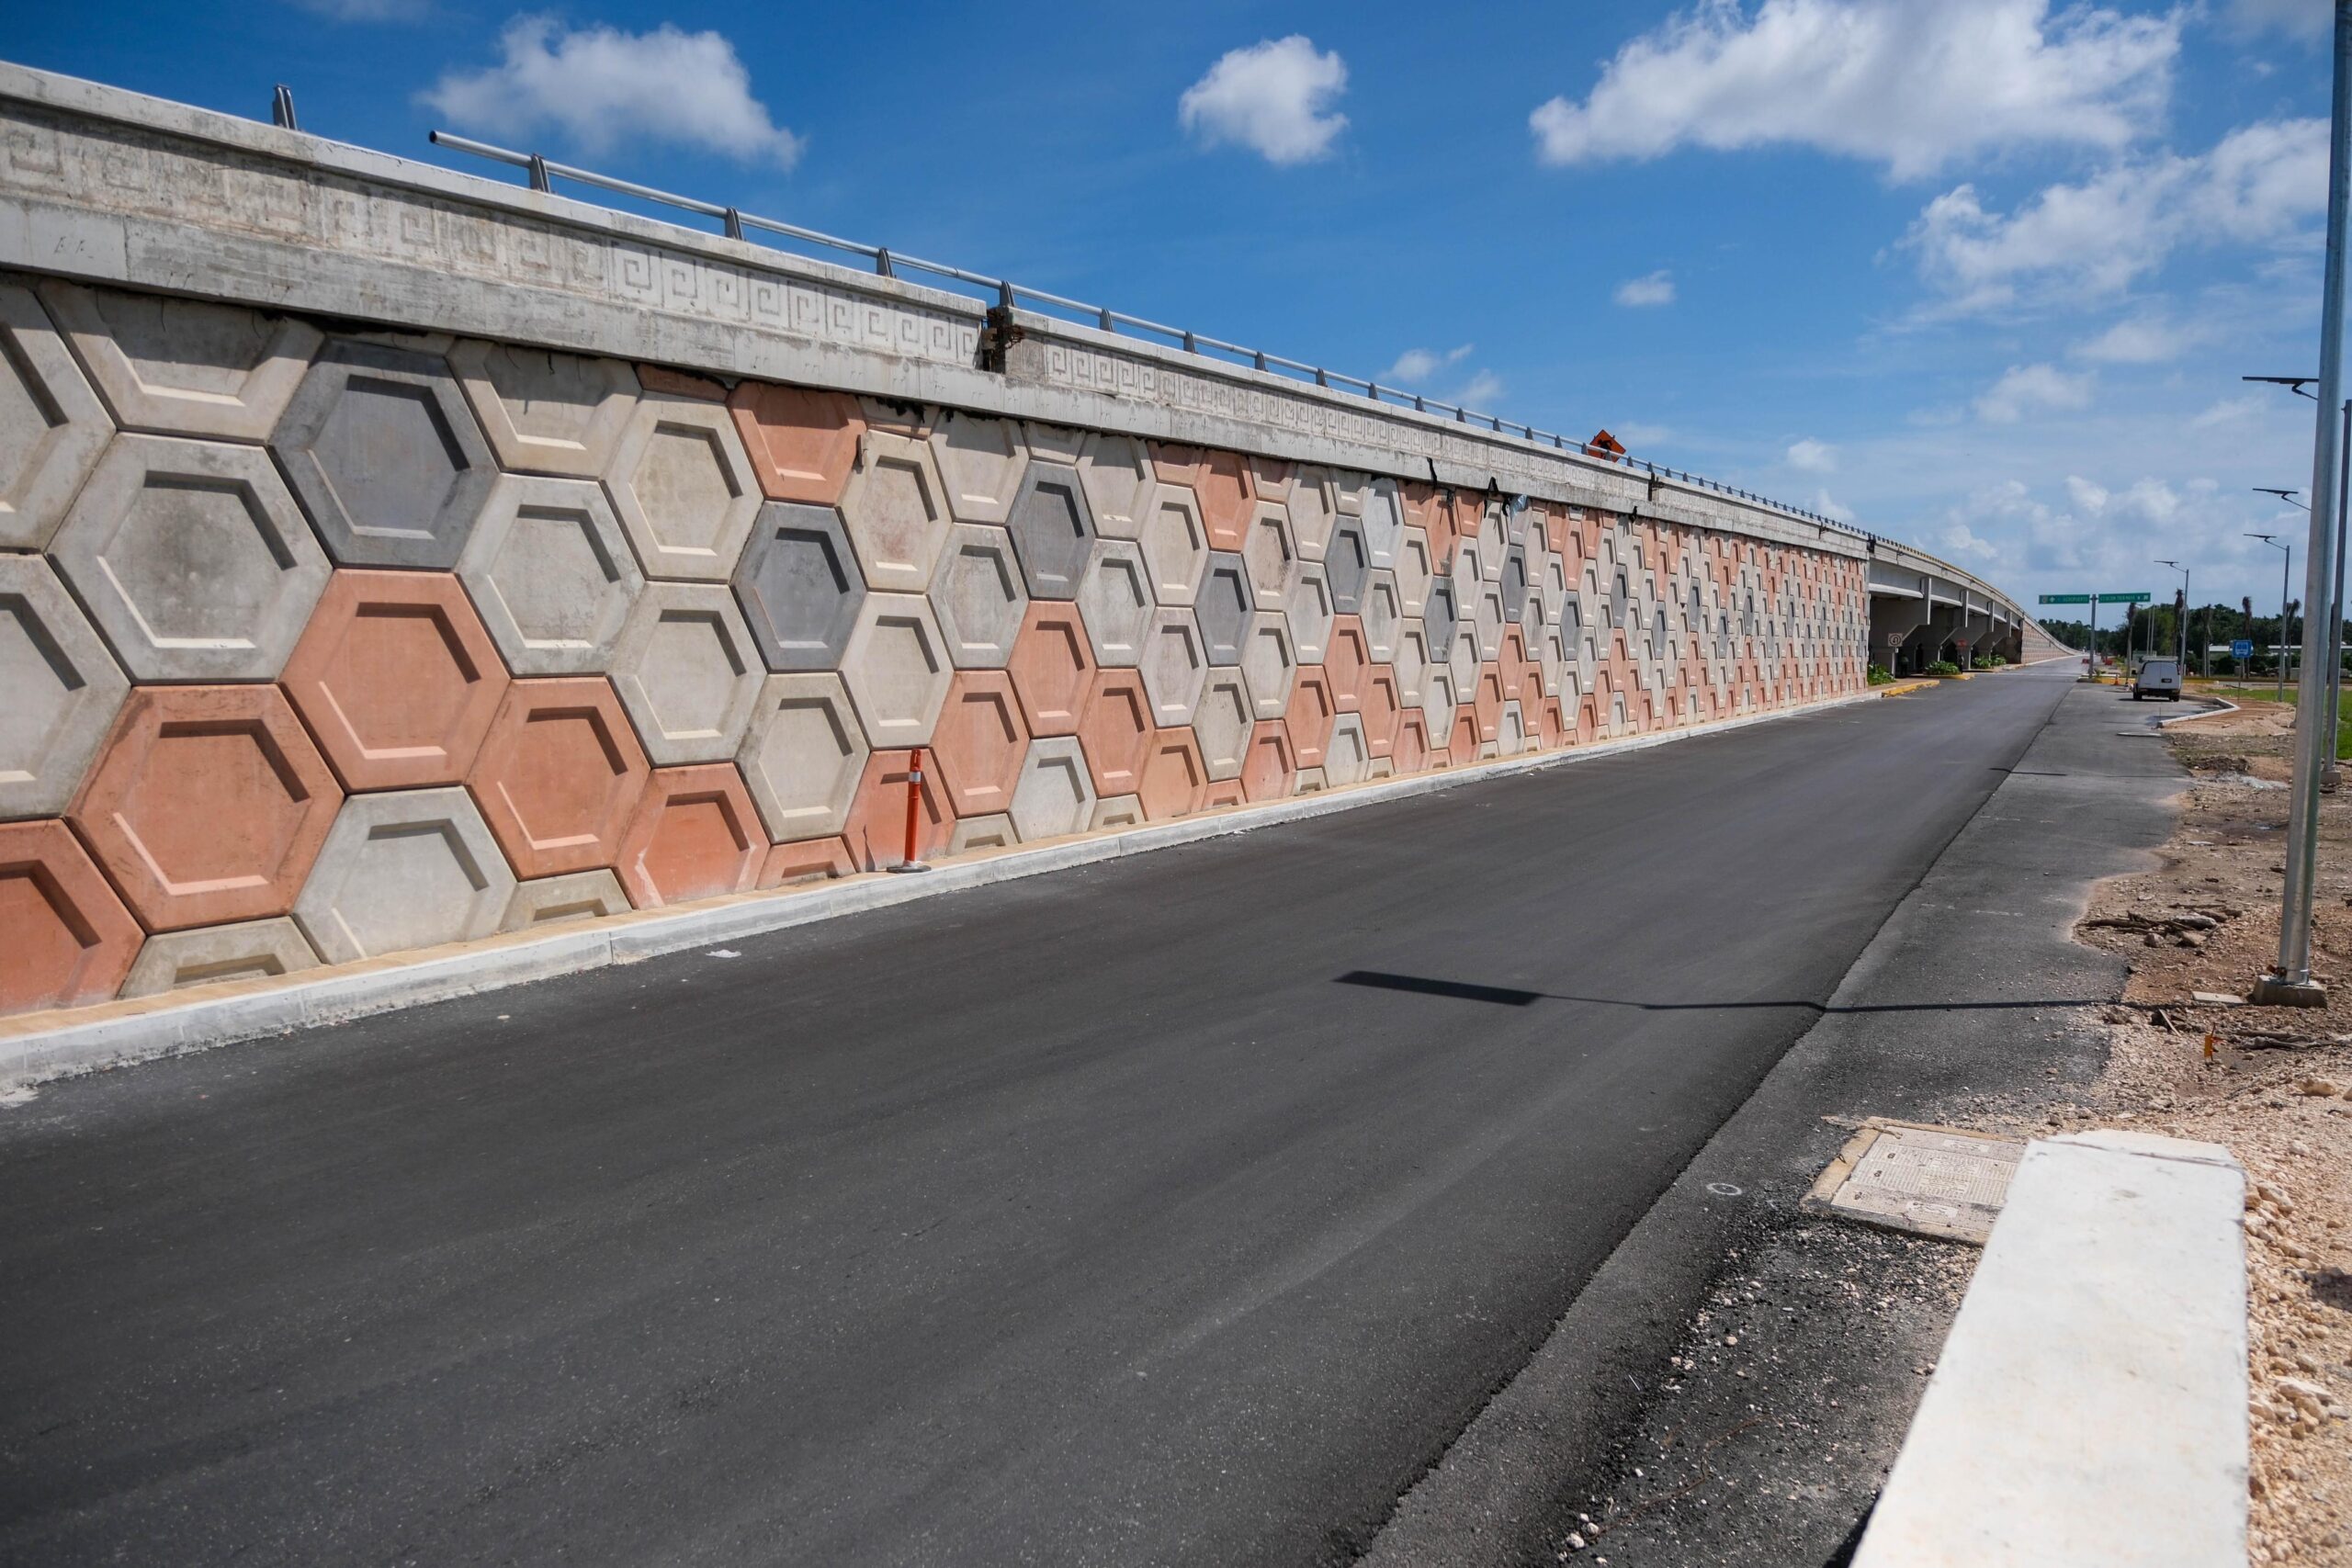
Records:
x=2286, y=569
x=2181, y=632
x=2330, y=774
x=2289, y=981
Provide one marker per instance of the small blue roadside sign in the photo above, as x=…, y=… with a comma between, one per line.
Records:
x=2242, y=649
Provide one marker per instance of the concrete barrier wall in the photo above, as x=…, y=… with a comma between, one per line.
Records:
x=329, y=634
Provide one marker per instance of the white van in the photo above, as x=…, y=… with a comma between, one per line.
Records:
x=2157, y=678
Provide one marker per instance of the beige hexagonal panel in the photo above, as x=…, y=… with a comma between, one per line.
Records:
x=980, y=461
x=977, y=593
x=1117, y=475
x=551, y=574
x=242, y=950
x=63, y=688
x=897, y=669
x=52, y=427
x=1269, y=664
x=1175, y=544
x=803, y=756
x=1414, y=572
x=1222, y=722
x=683, y=487
x=184, y=366
x=1114, y=600
x=1269, y=551
x=545, y=411
x=404, y=869
x=687, y=672
x=1173, y=666
x=896, y=507
x=1313, y=510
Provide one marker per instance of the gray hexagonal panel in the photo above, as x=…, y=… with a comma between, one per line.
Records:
x=184, y=366
x=1515, y=581
x=1222, y=722
x=687, y=672
x=386, y=455
x=193, y=559
x=52, y=427
x=1225, y=602
x=63, y=688
x=1117, y=474
x=897, y=669
x=798, y=585
x=403, y=869
x=1175, y=544
x=1441, y=615
x=683, y=487
x=1346, y=565
x=1056, y=793
x=1053, y=530
x=1114, y=600
x=1308, y=602
x=551, y=575
x=802, y=756
x=1174, y=667
x=547, y=413
x=1381, y=616
x=1268, y=547
x=1384, y=522
x=978, y=597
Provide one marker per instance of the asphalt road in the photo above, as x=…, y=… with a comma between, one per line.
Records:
x=1184, y=1208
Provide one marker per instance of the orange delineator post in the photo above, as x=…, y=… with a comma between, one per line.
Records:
x=914, y=804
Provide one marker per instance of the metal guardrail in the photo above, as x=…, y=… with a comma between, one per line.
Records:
x=737, y=224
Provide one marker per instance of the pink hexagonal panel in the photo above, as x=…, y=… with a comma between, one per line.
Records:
x=803, y=443
x=695, y=835
x=396, y=678
x=69, y=938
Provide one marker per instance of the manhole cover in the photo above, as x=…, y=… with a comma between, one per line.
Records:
x=1937, y=1181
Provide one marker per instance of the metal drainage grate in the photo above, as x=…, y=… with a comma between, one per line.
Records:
x=1937, y=1181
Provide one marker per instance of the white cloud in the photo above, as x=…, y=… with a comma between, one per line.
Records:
x=1813, y=457
x=1830, y=508
x=2230, y=410
x=600, y=86
x=1910, y=84
x=2145, y=340
x=1417, y=365
x=1638, y=436
x=1271, y=97
x=2025, y=387
x=1656, y=289
x=1480, y=392
x=1959, y=540
x=2092, y=239
x=2306, y=19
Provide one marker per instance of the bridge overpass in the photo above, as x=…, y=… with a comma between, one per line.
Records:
x=708, y=535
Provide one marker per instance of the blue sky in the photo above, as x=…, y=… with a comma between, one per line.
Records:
x=1981, y=274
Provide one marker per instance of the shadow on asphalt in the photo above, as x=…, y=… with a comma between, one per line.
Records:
x=1505, y=996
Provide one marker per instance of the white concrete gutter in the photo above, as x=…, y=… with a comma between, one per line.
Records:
x=2089, y=1410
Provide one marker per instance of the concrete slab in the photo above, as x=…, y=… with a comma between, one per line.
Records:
x=192, y=558
x=1307, y=604
x=1119, y=480
x=1114, y=600
x=1114, y=729
x=1117, y=811
x=1270, y=479
x=1224, y=607
x=207, y=805
x=695, y=835
x=1054, y=795
x=1487, y=619
x=545, y=412
x=1411, y=753
x=1347, y=663
x=1346, y=566
x=174, y=366
x=972, y=834
x=896, y=508
x=1313, y=511
x=559, y=776
x=802, y=443
x=1174, y=782
x=2090, y=1403
x=249, y=950
x=799, y=588
x=1053, y=530
x=979, y=743
x=1222, y=722
x=70, y=938
x=1414, y=572
x=385, y=454
x=980, y=597
x=1382, y=524
x=64, y=689
x=684, y=490
x=551, y=575
x=1053, y=661
x=1515, y=581
x=802, y=755
x=1346, y=756
x=807, y=860
x=404, y=869
x=1268, y=663
x=1439, y=619
x=1174, y=665
x=1381, y=616
x=1268, y=768
x=897, y=669
x=1308, y=719
x=52, y=427
x=1222, y=481
x=1938, y=1181
x=553, y=900
x=1175, y=544
x=982, y=462
x=1411, y=662
x=1381, y=707
x=687, y=672
x=1268, y=551
x=397, y=678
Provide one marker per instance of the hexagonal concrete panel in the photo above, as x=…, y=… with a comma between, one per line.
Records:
x=1381, y=616
x=1269, y=769
x=1119, y=480
x=1175, y=781
x=559, y=776
x=406, y=869
x=1515, y=581
x=1115, y=727
x=397, y=678
x=1309, y=717
x=1052, y=663
x=1314, y=509
x=551, y=900
x=1486, y=620
x=979, y=743
x=803, y=755
x=1306, y=601
x=70, y=939
x=1221, y=723
x=1380, y=706
x=1269, y=552
x=1055, y=796
x=192, y=558
x=1117, y=811
x=246, y=949
x=802, y=443
x=687, y=672
x=1269, y=477
x=1054, y=443
x=209, y=803
x=1222, y=481
x=1440, y=617
x=63, y=690
x=547, y=413
x=1413, y=658
x=1463, y=664
x=1268, y=663
x=807, y=860
x=1438, y=701
x=896, y=506
x=1175, y=463
x=1226, y=603
x=1346, y=662
x=1175, y=544
x=683, y=487
x=981, y=461
x=386, y=455
x=798, y=586
x=1174, y=666
x=1410, y=754
x=1346, y=566
x=693, y=835
x=876, y=830
x=897, y=669
x=1413, y=573
x=1053, y=531
x=1384, y=522
x=52, y=427
x=175, y=367
x=1114, y=600
x=1345, y=755
x=551, y=575
x=972, y=834
x=1511, y=735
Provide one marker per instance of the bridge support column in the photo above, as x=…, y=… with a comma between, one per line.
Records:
x=1933, y=636
x=1974, y=638
x=1894, y=622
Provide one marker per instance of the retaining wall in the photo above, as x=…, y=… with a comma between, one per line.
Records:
x=329, y=632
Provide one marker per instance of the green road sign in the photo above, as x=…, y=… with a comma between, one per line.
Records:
x=2066, y=598
x=2123, y=598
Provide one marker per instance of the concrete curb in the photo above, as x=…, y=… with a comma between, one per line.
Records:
x=37, y=1047
x=2227, y=707
x=2090, y=1404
